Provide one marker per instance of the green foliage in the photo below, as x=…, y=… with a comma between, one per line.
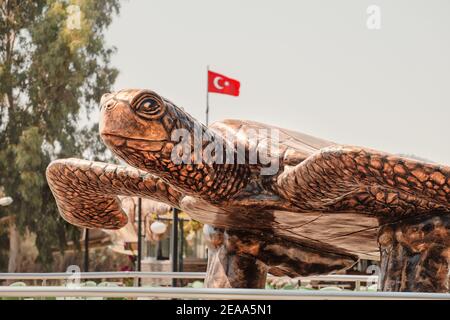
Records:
x=50, y=74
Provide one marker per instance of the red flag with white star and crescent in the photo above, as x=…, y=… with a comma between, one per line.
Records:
x=218, y=83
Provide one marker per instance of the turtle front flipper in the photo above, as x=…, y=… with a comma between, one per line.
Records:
x=86, y=191
x=354, y=179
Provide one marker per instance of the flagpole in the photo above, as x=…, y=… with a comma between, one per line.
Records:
x=207, y=95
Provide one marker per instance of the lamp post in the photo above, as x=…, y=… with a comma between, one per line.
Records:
x=174, y=243
x=86, y=250
x=158, y=228
x=139, y=254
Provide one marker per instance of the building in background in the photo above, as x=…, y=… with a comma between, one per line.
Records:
x=156, y=246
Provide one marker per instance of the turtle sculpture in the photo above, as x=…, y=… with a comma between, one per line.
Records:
x=318, y=207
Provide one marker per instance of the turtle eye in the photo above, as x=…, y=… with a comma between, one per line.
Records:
x=149, y=107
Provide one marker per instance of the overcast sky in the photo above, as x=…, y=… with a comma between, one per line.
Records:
x=312, y=66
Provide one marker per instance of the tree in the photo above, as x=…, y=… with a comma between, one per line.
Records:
x=54, y=67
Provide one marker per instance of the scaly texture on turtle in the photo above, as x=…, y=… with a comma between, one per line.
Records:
x=317, y=212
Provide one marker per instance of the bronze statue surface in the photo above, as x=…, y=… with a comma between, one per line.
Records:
x=302, y=206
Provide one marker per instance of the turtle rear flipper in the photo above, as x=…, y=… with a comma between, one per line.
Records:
x=410, y=199
x=353, y=179
x=86, y=191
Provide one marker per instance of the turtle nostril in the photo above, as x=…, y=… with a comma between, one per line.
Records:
x=104, y=98
x=107, y=101
x=109, y=104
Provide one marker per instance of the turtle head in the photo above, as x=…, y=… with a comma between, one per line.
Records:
x=143, y=129
x=150, y=133
x=134, y=118
x=137, y=126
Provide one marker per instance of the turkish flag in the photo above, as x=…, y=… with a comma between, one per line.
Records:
x=220, y=84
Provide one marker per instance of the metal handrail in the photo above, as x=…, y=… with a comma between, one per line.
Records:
x=165, y=275
x=189, y=293
x=102, y=275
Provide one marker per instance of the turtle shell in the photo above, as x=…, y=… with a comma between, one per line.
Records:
x=292, y=146
x=350, y=232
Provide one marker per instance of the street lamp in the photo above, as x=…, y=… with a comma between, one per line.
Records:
x=6, y=201
x=158, y=227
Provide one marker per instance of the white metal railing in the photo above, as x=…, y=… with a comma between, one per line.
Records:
x=163, y=275
x=135, y=275
x=102, y=275
x=357, y=279
x=191, y=293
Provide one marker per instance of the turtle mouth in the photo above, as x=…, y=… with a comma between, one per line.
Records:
x=138, y=144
